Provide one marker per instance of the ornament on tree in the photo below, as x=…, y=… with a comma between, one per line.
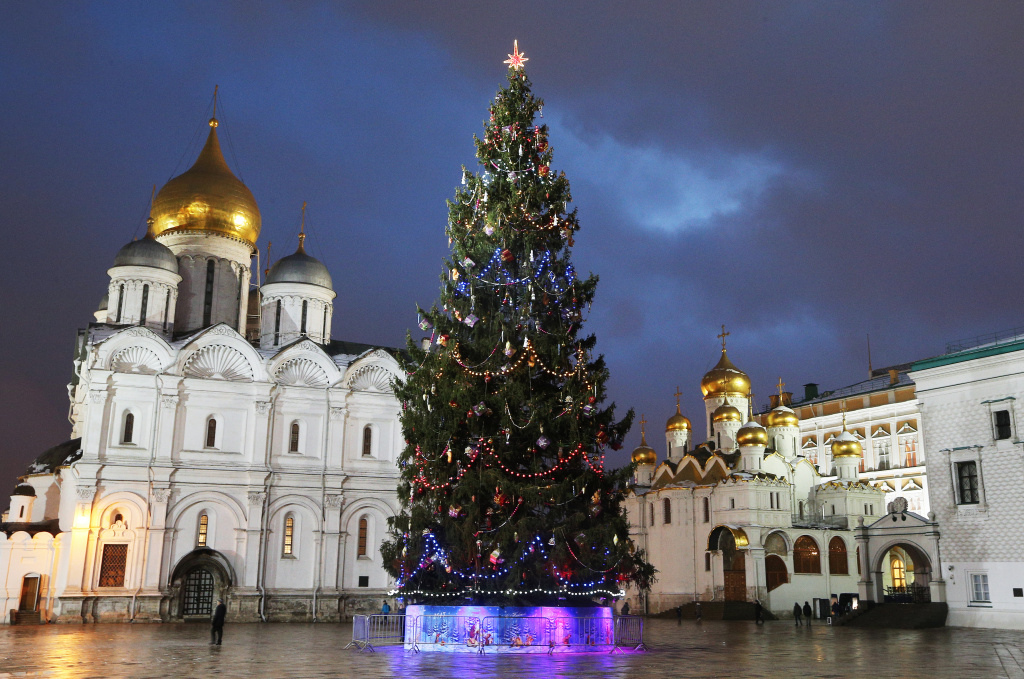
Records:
x=507, y=256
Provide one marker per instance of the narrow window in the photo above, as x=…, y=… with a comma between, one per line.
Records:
x=707, y=561
x=129, y=428
x=898, y=571
x=967, y=480
x=979, y=588
x=858, y=560
x=302, y=326
x=1002, y=422
x=837, y=561
x=167, y=308
x=120, y=302
x=211, y=433
x=289, y=535
x=323, y=328
x=732, y=503
x=238, y=299
x=118, y=518
x=208, y=302
x=145, y=304
x=277, y=324
x=293, y=442
x=652, y=513
x=21, y=512
x=367, y=441
x=800, y=507
x=204, y=524
x=362, y=536
x=707, y=510
x=666, y=505
x=112, y=565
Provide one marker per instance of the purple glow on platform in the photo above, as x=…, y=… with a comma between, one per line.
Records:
x=496, y=629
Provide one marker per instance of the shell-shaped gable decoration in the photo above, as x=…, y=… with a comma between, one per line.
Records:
x=219, y=362
x=302, y=372
x=136, y=359
x=370, y=378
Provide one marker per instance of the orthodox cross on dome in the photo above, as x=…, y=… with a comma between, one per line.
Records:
x=842, y=408
x=213, y=119
x=302, y=228
x=516, y=60
x=780, y=385
x=722, y=336
x=677, y=395
x=643, y=430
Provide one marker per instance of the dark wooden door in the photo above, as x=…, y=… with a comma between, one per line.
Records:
x=736, y=579
x=29, y=593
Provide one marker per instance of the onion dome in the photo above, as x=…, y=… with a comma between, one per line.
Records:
x=207, y=197
x=147, y=252
x=725, y=378
x=677, y=422
x=752, y=434
x=783, y=417
x=300, y=268
x=644, y=454
x=105, y=302
x=846, y=445
x=726, y=413
x=24, y=489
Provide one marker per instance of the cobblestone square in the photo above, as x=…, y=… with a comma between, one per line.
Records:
x=711, y=649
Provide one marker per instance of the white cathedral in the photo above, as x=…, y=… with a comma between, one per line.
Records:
x=223, y=445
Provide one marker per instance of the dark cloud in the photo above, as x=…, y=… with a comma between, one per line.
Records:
x=805, y=173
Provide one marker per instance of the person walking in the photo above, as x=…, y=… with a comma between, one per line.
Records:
x=625, y=607
x=808, y=613
x=217, y=622
x=385, y=609
x=758, y=610
x=679, y=615
x=697, y=609
x=797, y=611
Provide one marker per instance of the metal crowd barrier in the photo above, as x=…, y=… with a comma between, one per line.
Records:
x=379, y=630
x=498, y=633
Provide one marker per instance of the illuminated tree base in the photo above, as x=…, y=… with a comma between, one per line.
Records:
x=508, y=629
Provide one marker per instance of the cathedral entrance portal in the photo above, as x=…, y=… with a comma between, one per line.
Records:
x=729, y=542
x=200, y=578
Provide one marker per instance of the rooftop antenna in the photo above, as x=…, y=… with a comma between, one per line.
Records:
x=213, y=119
x=302, y=229
x=266, y=272
x=871, y=372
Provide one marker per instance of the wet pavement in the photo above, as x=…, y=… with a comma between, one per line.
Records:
x=711, y=649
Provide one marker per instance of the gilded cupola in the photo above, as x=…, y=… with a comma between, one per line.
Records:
x=644, y=454
x=726, y=413
x=783, y=417
x=752, y=434
x=846, y=445
x=677, y=422
x=207, y=197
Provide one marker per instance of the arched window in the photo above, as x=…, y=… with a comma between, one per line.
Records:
x=120, y=303
x=363, y=529
x=707, y=561
x=208, y=302
x=666, y=505
x=288, y=547
x=118, y=518
x=775, y=544
x=367, y=441
x=129, y=428
x=899, y=571
x=707, y=510
x=837, y=562
x=293, y=438
x=277, y=324
x=806, y=558
x=211, y=433
x=775, y=571
x=305, y=308
x=204, y=526
x=145, y=304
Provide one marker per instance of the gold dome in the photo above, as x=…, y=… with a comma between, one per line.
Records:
x=207, y=197
x=783, y=417
x=644, y=454
x=677, y=422
x=726, y=413
x=752, y=434
x=846, y=445
x=725, y=378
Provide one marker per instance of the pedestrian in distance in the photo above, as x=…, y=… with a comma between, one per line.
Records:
x=679, y=615
x=217, y=622
x=797, y=611
x=625, y=607
x=697, y=609
x=808, y=613
x=758, y=612
x=385, y=609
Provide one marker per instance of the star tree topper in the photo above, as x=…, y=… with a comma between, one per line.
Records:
x=516, y=59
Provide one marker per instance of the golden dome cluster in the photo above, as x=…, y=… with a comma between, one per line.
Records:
x=207, y=197
x=725, y=379
x=783, y=417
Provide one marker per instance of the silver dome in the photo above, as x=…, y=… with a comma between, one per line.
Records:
x=300, y=268
x=105, y=302
x=147, y=252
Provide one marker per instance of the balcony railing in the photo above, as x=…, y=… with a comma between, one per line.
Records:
x=992, y=338
x=840, y=522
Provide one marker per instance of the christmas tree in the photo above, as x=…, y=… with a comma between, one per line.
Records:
x=505, y=496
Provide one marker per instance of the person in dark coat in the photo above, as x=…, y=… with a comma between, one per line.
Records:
x=797, y=612
x=808, y=613
x=679, y=615
x=697, y=611
x=625, y=609
x=385, y=609
x=758, y=610
x=217, y=622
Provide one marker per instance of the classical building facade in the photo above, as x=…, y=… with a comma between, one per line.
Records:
x=971, y=407
x=223, y=444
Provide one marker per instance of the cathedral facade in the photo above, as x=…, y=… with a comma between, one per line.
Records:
x=223, y=444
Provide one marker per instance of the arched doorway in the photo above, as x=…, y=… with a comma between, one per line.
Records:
x=904, y=574
x=200, y=578
x=729, y=542
x=776, y=550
